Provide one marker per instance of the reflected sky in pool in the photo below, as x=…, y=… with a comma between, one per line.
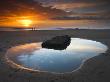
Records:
x=60, y=61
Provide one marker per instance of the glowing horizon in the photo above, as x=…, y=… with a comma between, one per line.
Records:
x=25, y=22
x=21, y=21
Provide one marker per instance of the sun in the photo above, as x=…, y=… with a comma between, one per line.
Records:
x=26, y=22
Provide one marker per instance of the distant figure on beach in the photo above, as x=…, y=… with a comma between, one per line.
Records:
x=34, y=28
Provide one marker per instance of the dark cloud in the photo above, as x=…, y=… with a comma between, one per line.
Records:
x=72, y=1
x=26, y=7
x=79, y=6
x=52, y=8
x=95, y=8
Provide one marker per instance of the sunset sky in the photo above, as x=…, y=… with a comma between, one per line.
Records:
x=26, y=12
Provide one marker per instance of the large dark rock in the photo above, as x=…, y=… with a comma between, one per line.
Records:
x=57, y=43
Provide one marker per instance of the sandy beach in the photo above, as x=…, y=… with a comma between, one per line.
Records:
x=96, y=69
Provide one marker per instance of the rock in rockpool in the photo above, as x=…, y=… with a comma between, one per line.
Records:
x=57, y=43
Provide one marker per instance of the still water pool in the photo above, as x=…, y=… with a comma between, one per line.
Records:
x=33, y=56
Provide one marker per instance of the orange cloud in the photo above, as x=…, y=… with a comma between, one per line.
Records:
x=72, y=5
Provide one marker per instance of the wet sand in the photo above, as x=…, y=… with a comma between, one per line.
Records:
x=96, y=69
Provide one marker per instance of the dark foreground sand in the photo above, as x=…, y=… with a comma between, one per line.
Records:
x=96, y=69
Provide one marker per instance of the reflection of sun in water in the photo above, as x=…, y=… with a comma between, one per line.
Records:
x=26, y=22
